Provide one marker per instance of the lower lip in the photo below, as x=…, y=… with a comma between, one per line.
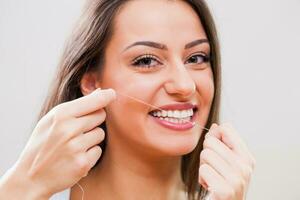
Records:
x=176, y=126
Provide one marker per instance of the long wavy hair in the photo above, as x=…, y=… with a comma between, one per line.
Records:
x=84, y=51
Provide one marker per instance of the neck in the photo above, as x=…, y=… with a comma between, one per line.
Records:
x=127, y=173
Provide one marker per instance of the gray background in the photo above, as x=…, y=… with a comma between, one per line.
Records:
x=260, y=47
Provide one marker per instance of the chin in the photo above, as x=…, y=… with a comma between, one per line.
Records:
x=170, y=143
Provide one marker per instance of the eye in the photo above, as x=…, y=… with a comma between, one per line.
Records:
x=199, y=59
x=146, y=61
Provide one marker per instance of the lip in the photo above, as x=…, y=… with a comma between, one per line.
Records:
x=176, y=126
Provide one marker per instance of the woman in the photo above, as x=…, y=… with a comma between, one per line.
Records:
x=158, y=64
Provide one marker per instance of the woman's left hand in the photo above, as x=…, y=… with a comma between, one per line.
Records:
x=226, y=164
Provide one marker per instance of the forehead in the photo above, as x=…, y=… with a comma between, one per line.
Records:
x=158, y=20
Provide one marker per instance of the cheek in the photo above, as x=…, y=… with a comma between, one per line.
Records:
x=127, y=113
x=205, y=86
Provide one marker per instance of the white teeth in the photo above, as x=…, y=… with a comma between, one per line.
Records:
x=158, y=114
x=175, y=120
x=164, y=113
x=179, y=114
x=185, y=114
x=176, y=114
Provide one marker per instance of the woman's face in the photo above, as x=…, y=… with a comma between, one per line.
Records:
x=173, y=76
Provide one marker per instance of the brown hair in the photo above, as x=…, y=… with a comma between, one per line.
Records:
x=85, y=52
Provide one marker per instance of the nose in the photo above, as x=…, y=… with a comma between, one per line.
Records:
x=180, y=83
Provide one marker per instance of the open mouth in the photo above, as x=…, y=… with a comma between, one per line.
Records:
x=175, y=116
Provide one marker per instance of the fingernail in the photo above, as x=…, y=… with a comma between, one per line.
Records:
x=96, y=90
x=113, y=93
x=214, y=125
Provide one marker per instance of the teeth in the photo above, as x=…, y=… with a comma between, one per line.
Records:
x=164, y=113
x=158, y=114
x=184, y=114
x=178, y=114
x=175, y=120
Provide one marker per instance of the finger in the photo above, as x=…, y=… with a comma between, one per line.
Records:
x=210, y=177
x=235, y=178
x=211, y=158
x=227, y=136
x=90, y=103
x=76, y=126
x=217, y=186
x=244, y=146
x=90, y=121
x=87, y=140
x=221, y=149
x=93, y=154
x=202, y=182
x=92, y=138
x=238, y=163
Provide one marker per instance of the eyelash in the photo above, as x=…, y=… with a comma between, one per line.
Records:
x=137, y=60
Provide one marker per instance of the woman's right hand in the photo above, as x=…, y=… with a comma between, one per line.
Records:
x=63, y=146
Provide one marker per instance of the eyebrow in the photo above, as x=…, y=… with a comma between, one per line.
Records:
x=164, y=47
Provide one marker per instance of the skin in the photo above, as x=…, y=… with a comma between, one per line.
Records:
x=154, y=152
x=141, y=155
x=57, y=148
x=142, y=159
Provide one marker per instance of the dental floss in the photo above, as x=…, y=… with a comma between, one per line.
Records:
x=82, y=197
x=140, y=101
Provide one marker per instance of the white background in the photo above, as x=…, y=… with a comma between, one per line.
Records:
x=260, y=49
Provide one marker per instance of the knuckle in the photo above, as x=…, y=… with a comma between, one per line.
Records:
x=208, y=142
x=205, y=153
x=102, y=114
x=81, y=165
x=237, y=183
x=211, y=141
x=57, y=113
x=60, y=129
x=246, y=171
x=243, y=184
x=99, y=130
x=98, y=134
x=224, y=129
x=205, y=142
x=98, y=150
x=101, y=134
x=228, y=193
x=73, y=146
x=203, y=169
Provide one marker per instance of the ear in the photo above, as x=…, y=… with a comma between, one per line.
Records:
x=89, y=82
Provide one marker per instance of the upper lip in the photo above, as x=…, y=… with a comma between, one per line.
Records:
x=181, y=106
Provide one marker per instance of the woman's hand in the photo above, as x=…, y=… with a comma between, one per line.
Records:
x=63, y=146
x=226, y=164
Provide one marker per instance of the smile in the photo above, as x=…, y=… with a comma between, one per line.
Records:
x=176, y=116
